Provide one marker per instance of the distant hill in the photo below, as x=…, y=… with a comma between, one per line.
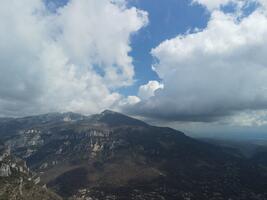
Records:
x=114, y=156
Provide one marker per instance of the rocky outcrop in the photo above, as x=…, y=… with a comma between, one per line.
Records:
x=5, y=170
x=10, y=164
x=18, y=183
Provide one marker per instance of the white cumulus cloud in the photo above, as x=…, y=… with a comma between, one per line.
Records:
x=148, y=90
x=71, y=59
x=212, y=4
x=239, y=4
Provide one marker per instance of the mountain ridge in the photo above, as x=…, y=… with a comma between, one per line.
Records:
x=113, y=156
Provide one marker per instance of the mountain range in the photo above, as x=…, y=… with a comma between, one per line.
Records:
x=111, y=156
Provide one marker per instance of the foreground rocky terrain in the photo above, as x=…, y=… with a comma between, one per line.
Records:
x=113, y=156
x=17, y=182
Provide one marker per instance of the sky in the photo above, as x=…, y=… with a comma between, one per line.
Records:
x=195, y=65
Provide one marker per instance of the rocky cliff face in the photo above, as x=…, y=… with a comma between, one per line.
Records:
x=17, y=182
x=113, y=156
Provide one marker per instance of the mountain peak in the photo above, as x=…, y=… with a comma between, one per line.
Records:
x=108, y=112
x=113, y=118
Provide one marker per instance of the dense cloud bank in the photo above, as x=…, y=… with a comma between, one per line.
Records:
x=215, y=72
